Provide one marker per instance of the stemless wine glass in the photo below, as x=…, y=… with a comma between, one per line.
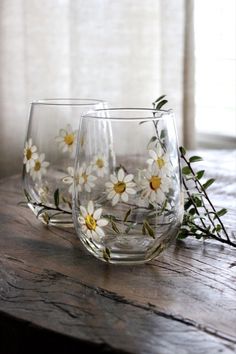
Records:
x=48, y=165
x=135, y=207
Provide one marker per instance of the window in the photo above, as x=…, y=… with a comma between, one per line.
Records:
x=215, y=40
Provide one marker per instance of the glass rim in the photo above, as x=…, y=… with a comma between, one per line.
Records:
x=67, y=101
x=159, y=114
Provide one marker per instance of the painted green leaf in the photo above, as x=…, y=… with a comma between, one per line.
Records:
x=127, y=215
x=159, y=99
x=161, y=104
x=149, y=229
x=56, y=198
x=106, y=254
x=114, y=227
x=27, y=195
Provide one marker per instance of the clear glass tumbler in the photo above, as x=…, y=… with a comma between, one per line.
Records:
x=134, y=208
x=49, y=152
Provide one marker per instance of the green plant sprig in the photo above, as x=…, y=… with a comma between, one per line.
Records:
x=201, y=219
x=199, y=208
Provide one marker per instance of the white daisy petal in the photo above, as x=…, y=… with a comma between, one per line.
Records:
x=90, y=207
x=130, y=191
x=102, y=222
x=128, y=178
x=115, y=199
x=124, y=197
x=120, y=174
x=111, y=194
x=97, y=214
x=70, y=171
x=100, y=232
x=114, y=179
x=89, y=233
x=81, y=220
x=67, y=180
x=83, y=211
x=130, y=184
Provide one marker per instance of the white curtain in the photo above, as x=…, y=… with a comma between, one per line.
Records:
x=127, y=52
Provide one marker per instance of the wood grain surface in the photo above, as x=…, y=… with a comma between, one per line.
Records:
x=58, y=297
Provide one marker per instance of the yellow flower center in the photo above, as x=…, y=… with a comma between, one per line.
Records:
x=119, y=187
x=37, y=166
x=69, y=139
x=28, y=154
x=85, y=177
x=100, y=163
x=160, y=162
x=155, y=183
x=90, y=222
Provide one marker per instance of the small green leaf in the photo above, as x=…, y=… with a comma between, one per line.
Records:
x=186, y=170
x=221, y=212
x=195, y=159
x=192, y=211
x=187, y=204
x=159, y=99
x=56, y=198
x=106, y=254
x=28, y=197
x=161, y=104
x=127, y=215
x=208, y=183
x=163, y=134
x=182, y=150
x=199, y=174
x=143, y=230
x=153, y=138
x=197, y=201
x=183, y=233
x=114, y=227
x=149, y=229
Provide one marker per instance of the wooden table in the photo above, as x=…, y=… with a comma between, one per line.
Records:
x=56, y=298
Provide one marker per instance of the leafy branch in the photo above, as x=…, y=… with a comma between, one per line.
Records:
x=47, y=212
x=201, y=219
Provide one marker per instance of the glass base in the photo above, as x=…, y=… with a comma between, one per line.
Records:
x=131, y=253
x=52, y=217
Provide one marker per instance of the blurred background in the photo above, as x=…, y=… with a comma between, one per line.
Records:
x=127, y=52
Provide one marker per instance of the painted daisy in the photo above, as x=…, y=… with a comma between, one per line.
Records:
x=70, y=179
x=39, y=168
x=43, y=191
x=160, y=159
x=67, y=139
x=120, y=186
x=100, y=164
x=30, y=154
x=88, y=178
x=155, y=184
x=91, y=221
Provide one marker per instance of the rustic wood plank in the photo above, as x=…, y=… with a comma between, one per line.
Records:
x=183, y=302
